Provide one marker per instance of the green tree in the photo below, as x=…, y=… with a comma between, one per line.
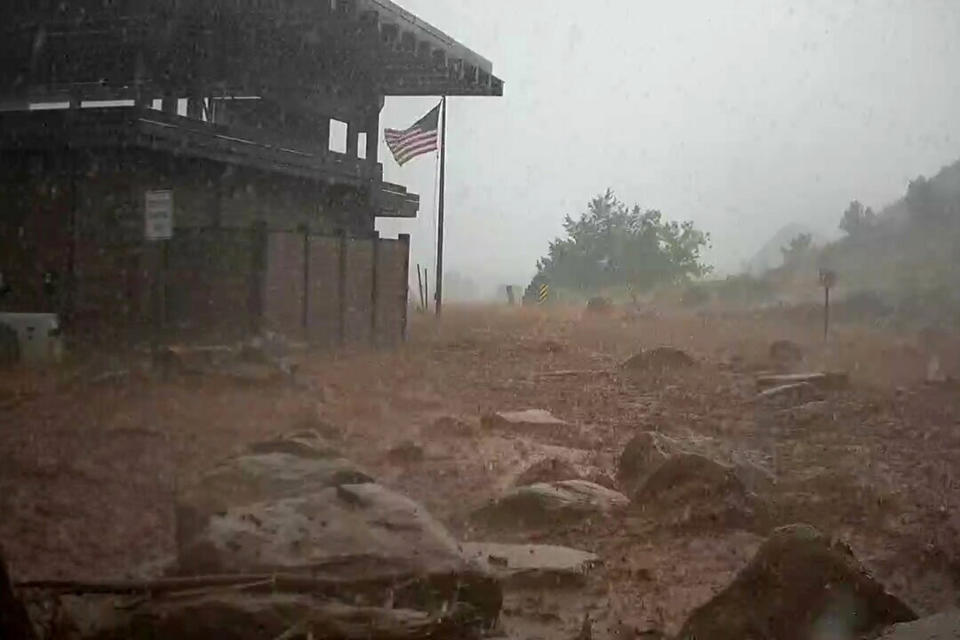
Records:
x=611, y=244
x=857, y=219
x=799, y=247
x=930, y=202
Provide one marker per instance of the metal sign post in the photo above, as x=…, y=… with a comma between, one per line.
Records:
x=443, y=179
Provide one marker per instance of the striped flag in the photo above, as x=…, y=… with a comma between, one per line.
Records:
x=421, y=138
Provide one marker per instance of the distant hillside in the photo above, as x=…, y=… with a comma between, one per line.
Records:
x=770, y=255
x=909, y=255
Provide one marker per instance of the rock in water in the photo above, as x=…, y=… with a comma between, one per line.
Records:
x=800, y=585
x=365, y=537
x=545, y=504
x=641, y=456
x=534, y=565
x=659, y=359
x=693, y=490
x=943, y=626
x=530, y=422
x=548, y=470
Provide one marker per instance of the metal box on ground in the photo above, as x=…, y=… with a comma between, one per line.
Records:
x=39, y=339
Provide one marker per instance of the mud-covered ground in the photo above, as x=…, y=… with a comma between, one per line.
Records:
x=90, y=463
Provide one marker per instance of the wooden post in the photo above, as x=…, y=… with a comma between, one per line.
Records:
x=352, y=140
x=170, y=105
x=342, y=287
x=164, y=283
x=73, y=281
x=195, y=107
x=375, y=288
x=828, y=278
x=373, y=137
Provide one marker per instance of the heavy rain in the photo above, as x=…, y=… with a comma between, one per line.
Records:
x=410, y=319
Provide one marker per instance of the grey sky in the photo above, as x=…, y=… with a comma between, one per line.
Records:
x=742, y=115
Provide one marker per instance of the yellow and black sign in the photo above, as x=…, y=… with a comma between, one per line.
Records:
x=544, y=293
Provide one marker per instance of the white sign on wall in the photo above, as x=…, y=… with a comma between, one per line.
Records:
x=158, y=215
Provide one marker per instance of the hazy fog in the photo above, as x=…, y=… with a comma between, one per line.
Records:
x=741, y=115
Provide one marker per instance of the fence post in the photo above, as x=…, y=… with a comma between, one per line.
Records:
x=404, y=239
x=375, y=289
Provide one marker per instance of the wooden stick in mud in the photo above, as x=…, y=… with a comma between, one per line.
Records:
x=255, y=582
x=420, y=287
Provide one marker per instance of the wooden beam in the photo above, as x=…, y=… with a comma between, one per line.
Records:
x=372, y=128
x=352, y=140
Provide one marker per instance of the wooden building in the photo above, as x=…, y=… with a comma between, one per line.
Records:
x=226, y=106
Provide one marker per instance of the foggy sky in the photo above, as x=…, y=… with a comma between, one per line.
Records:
x=742, y=115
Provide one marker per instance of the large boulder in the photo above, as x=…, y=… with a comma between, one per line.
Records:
x=800, y=585
x=692, y=490
x=364, y=537
x=942, y=626
x=283, y=467
x=641, y=456
x=549, y=503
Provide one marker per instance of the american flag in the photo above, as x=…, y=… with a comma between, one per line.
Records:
x=419, y=139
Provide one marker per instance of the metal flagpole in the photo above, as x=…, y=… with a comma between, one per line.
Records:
x=443, y=165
